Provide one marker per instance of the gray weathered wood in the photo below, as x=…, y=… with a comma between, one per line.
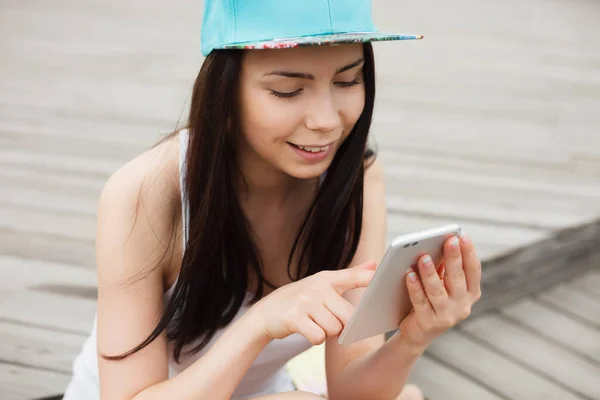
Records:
x=482, y=364
x=590, y=282
x=38, y=347
x=529, y=269
x=490, y=121
x=37, y=293
x=441, y=382
x=568, y=299
x=527, y=348
x=24, y=383
x=549, y=323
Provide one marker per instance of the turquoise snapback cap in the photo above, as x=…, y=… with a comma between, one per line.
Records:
x=278, y=24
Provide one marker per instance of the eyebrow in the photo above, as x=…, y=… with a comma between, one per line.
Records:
x=302, y=75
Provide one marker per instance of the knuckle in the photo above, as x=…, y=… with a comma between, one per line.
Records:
x=438, y=292
x=334, y=329
x=477, y=295
x=458, y=276
x=303, y=300
x=318, y=338
x=464, y=314
x=315, y=292
x=290, y=324
x=448, y=321
x=422, y=301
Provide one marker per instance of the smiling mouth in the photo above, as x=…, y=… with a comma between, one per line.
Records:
x=312, y=149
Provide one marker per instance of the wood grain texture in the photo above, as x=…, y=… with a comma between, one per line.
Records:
x=441, y=381
x=549, y=323
x=554, y=362
x=482, y=364
x=19, y=382
x=490, y=121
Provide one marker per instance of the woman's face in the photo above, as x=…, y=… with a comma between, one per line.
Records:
x=298, y=105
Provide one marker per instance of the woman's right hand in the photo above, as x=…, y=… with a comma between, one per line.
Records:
x=313, y=306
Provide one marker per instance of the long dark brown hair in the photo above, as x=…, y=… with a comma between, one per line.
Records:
x=220, y=253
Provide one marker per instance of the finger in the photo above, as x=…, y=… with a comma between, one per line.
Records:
x=370, y=265
x=455, y=280
x=441, y=270
x=326, y=320
x=472, y=266
x=310, y=330
x=340, y=307
x=418, y=298
x=351, y=278
x=432, y=284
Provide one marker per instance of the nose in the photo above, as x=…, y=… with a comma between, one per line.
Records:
x=323, y=114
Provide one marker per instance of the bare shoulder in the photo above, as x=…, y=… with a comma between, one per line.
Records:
x=139, y=206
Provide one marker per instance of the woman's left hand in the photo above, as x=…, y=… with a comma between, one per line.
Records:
x=439, y=304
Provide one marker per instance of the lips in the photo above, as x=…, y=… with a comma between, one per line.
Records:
x=312, y=153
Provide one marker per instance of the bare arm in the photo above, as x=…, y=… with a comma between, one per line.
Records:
x=133, y=235
x=359, y=371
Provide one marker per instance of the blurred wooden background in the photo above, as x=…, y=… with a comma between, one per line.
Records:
x=491, y=121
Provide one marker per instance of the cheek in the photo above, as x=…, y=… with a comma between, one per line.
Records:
x=351, y=108
x=265, y=119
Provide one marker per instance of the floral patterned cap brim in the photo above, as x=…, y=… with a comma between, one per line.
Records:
x=319, y=40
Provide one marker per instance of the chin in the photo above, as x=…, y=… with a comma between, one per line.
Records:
x=307, y=171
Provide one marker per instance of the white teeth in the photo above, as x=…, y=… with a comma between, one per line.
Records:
x=313, y=149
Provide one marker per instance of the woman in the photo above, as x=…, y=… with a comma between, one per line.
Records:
x=239, y=242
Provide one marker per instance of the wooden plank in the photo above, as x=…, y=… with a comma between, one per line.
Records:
x=84, y=204
x=58, y=296
x=24, y=383
x=67, y=225
x=39, y=348
x=20, y=121
x=443, y=180
x=440, y=382
x=548, y=323
x=49, y=310
x=18, y=274
x=83, y=147
x=74, y=184
x=483, y=364
x=589, y=282
x=575, y=303
x=527, y=348
x=519, y=273
x=64, y=163
x=52, y=248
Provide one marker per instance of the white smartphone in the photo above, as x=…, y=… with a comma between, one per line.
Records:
x=385, y=301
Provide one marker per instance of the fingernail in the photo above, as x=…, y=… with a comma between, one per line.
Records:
x=427, y=262
x=412, y=276
x=454, y=242
x=465, y=239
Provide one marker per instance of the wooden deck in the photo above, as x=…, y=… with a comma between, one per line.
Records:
x=491, y=121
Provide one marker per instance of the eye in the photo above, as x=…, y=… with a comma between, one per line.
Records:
x=286, y=94
x=355, y=82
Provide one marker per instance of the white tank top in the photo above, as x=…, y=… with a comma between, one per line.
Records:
x=267, y=375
